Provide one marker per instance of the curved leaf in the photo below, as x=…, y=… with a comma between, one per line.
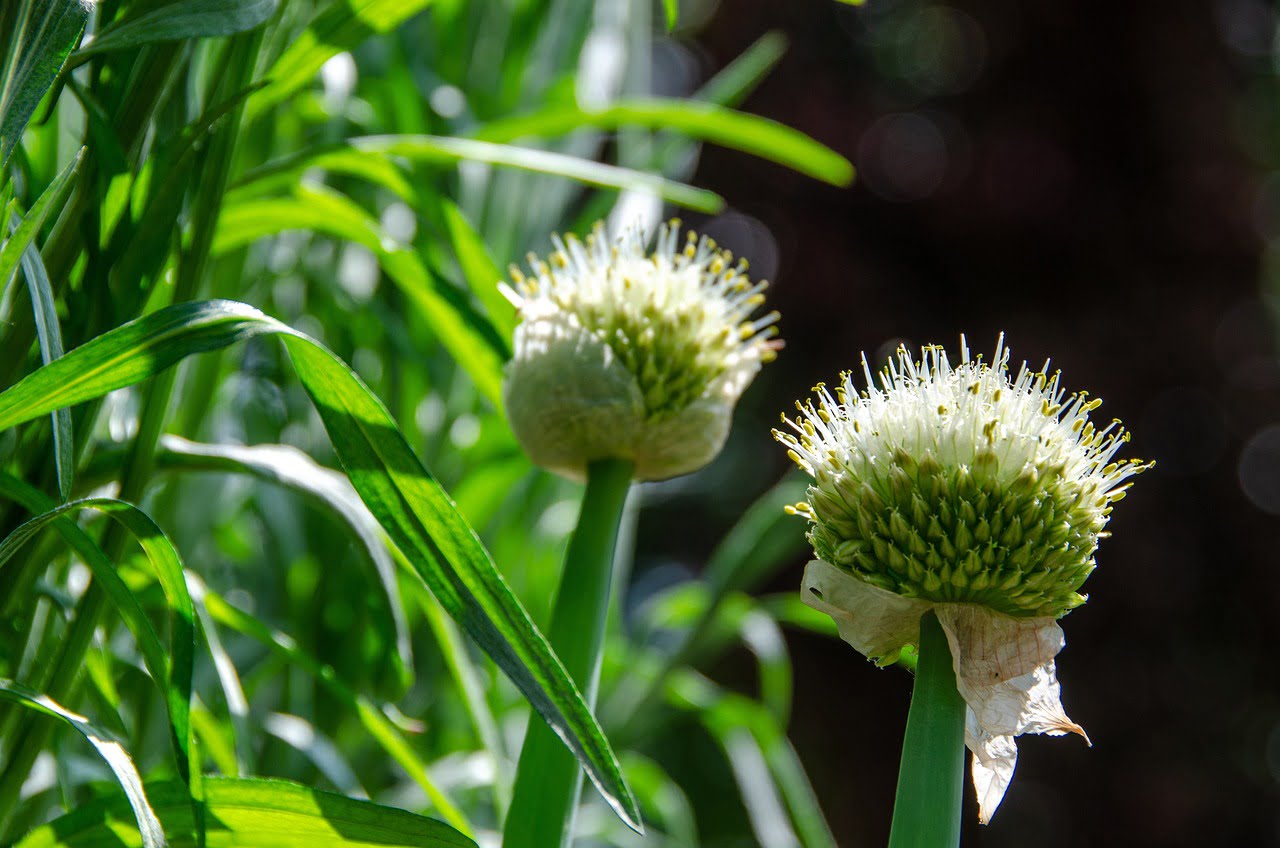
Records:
x=112, y=751
x=181, y=19
x=446, y=150
x=46, y=34
x=408, y=502
x=287, y=466
x=707, y=121
x=172, y=677
x=255, y=812
x=377, y=724
x=20, y=248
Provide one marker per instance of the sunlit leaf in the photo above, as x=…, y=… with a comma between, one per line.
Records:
x=260, y=813
x=702, y=120
x=286, y=466
x=443, y=150
x=148, y=826
x=20, y=248
x=180, y=19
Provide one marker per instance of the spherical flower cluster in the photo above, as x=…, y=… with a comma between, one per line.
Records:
x=622, y=353
x=961, y=490
x=957, y=484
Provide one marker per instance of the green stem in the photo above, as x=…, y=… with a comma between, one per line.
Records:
x=926, y=810
x=548, y=778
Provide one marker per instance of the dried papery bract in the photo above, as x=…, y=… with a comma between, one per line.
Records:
x=626, y=353
x=971, y=492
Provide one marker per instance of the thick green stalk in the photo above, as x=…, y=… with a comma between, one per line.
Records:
x=548, y=779
x=926, y=810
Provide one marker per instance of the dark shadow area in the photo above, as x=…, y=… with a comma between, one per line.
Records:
x=1089, y=179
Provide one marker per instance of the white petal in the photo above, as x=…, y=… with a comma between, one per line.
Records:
x=994, y=760
x=875, y=621
x=1005, y=673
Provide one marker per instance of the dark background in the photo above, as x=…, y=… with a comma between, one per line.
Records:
x=1094, y=179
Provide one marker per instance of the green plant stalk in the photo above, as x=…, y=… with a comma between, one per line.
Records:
x=926, y=809
x=548, y=780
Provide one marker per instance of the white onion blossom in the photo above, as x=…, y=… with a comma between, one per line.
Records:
x=626, y=353
x=981, y=497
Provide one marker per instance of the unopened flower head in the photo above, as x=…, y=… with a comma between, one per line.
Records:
x=960, y=484
x=626, y=353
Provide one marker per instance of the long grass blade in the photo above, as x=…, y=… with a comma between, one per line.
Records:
x=178, y=20
x=256, y=812
x=110, y=749
x=171, y=670
x=20, y=249
x=286, y=466
x=37, y=51
x=702, y=120
x=445, y=150
x=473, y=343
x=174, y=674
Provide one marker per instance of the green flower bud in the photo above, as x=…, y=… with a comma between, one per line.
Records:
x=622, y=353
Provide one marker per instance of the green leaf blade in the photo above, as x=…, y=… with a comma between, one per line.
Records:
x=172, y=672
x=258, y=812
x=38, y=52
x=182, y=19
x=20, y=250
x=703, y=120
x=448, y=150
x=116, y=757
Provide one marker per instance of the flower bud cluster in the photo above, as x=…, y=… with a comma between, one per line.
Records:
x=960, y=484
x=622, y=353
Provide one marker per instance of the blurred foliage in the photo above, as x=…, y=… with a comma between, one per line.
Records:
x=360, y=170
